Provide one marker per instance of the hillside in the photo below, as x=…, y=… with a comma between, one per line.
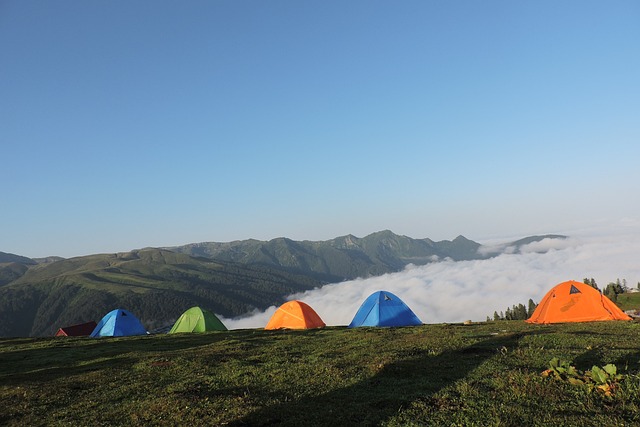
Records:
x=157, y=285
x=347, y=257
x=12, y=258
x=231, y=279
x=440, y=375
x=12, y=271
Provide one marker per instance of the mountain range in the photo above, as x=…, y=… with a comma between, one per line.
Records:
x=37, y=296
x=348, y=257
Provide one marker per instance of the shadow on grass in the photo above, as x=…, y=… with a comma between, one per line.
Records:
x=629, y=363
x=589, y=358
x=41, y=360
x=395, y=386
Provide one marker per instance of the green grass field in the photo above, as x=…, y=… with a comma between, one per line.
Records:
x=486, y=374
x=628, y=301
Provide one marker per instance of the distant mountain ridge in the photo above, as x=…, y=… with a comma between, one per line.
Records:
x=230, y=279
x=7, y=258
x=347, y=257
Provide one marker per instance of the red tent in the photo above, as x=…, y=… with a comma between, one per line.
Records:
x=81, y=330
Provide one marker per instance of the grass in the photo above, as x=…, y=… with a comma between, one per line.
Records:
x=628, y=300
x=486, y=374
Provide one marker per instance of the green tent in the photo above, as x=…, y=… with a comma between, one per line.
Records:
x=197, y=320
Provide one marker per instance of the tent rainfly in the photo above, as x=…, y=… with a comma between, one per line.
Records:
x=118, y=323
x=80, y=330
x=575, y=302
x=196, y=319
x=383, y=308
x=295, y=315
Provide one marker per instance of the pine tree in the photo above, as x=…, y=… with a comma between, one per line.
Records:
x=611, y=291
x=522, y=312
x=531, y=307
x=507, y=314
x=591, y=282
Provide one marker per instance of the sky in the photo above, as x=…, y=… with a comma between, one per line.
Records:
x=158, y=123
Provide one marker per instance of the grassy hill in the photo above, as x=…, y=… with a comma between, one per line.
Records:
x=12, y=271
x=442, y=375
x=39, y=296
x=628, y=300
x=156, y=285
x=346, y=257
x=9, y=258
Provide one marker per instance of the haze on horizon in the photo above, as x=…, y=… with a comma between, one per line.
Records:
x=157, y=123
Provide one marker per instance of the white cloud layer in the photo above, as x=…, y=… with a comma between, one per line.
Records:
x=449, y=291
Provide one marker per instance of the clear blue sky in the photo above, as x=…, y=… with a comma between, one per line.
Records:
x=127, y=124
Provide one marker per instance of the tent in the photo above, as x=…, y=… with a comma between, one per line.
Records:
x=81, y=330
x=575, y=302
x=383, y=308
x=118, y=323
x=295, y=315
x=196, y=319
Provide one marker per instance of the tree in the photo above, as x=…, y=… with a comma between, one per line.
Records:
x=591, y=282
x=516, y=312
x=611, y=292
x=531, y=307
x=520, y=312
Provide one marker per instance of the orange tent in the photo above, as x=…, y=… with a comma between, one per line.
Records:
x=295, y=315
x=575, y=302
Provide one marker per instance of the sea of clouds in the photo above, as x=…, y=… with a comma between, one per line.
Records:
x=449, y=291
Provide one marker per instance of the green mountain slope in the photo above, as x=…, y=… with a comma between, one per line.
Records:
x=156, y=285
x=7, y=258
x=230, y=279
x=11, y=271
x=346, y=257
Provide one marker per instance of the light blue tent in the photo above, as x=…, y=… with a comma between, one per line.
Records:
x=118, y=323
x=383, y=308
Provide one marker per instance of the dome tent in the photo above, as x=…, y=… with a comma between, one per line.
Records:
x=575, y=302
x=295, y=315
x=118, y=323
x=196, y=319
x=383, y=308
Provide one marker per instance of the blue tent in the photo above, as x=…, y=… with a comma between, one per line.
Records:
x=118, y=323
x=383, y=308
